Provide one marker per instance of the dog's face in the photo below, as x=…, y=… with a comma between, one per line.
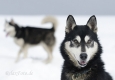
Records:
x=81, y=43
x=10, y=28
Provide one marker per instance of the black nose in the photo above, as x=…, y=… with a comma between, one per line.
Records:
x=83, y=56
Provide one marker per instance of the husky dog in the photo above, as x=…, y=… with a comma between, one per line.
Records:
x=28, y=36
x=81, y=51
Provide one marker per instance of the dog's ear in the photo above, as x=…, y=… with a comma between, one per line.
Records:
x=70, y=24
x=92, y=23
x=6, y=21
x=12, y=22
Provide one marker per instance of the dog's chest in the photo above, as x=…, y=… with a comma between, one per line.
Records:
x=19, y=41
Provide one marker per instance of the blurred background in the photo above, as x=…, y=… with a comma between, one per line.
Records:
x=31, y=12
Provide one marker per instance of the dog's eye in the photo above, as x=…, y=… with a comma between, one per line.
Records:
x=75, y=41
x=89, y=41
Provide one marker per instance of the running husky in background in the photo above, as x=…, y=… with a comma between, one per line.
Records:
x=81, y=51
x=28, y=36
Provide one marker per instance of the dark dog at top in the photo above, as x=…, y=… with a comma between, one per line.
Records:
x=28, y=36
x=81, y=51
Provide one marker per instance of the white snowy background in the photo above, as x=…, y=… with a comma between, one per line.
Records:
x=33, y=67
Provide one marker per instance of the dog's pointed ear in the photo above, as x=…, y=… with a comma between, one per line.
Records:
x=6, y=21
x=70, y=23
x=12, y=22
x=92, y=23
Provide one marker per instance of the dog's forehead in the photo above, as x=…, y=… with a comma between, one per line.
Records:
x=81, y=30
x=6, y=24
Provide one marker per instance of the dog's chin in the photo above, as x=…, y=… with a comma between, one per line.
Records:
x=82, y=63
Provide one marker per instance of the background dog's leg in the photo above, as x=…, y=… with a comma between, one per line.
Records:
x=18, y=56
x=48, y=49
x=25, y=51
x=49, y=58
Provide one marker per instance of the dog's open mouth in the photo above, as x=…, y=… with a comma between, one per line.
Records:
x=82, y=63
x=7, y=34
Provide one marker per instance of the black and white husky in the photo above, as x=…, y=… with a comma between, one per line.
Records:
x=28, y=36
x=81, y=51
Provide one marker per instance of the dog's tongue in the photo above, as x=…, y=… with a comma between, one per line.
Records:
x=7, y=35
x=82, y=62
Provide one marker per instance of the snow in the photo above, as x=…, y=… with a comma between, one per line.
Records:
x=33, y=67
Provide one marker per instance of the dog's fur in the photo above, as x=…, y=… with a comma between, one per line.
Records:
x=29, y=36
x=81, y=51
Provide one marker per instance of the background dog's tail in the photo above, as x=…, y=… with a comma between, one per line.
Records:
x=51, y=19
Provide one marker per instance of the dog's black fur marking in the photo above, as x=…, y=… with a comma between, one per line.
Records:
x=95, y=65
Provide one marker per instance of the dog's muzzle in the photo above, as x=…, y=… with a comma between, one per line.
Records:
x=82, y=62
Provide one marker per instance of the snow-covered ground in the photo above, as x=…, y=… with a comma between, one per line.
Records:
x=33, y=68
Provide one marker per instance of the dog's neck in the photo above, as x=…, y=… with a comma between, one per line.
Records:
x=18, y=31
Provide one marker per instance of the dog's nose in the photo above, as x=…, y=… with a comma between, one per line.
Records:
x=83, y=56
x=4, y=30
